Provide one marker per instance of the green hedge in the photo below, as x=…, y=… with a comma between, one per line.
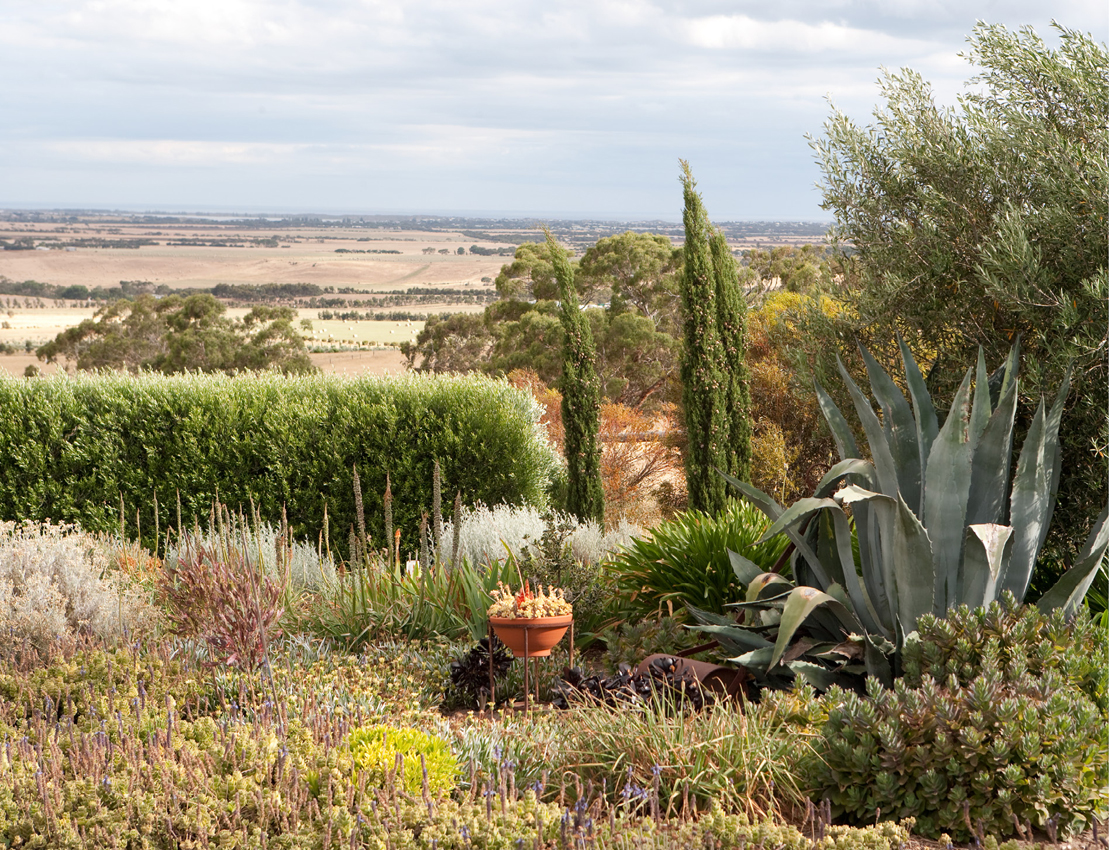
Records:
x=70, y=446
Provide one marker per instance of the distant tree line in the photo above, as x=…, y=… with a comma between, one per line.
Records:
x=306, y=294
x=381, y=316
x=265, y=291
x=28, y=243
x=507, y=251
x=366, y=251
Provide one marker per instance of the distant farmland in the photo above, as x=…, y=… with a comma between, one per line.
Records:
x=341, y=267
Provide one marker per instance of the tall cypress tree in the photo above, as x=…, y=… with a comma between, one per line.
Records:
x=703, y=382
x=731, y=324
x=581, y=398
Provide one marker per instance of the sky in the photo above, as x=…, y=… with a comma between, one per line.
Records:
x=576, y=109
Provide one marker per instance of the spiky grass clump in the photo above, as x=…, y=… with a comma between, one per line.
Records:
x=744, y=760
x=223, y=597
x=685, y=560
x=309, y=569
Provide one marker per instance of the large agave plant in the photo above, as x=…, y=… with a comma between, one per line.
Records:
x=932, y=515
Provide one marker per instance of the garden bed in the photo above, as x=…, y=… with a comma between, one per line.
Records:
x=125, y=722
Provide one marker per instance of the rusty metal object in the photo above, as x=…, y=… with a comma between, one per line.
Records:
x=721, y=680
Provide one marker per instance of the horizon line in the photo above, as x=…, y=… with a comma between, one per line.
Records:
x=259, y=212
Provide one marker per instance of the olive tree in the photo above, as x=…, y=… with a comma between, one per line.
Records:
x=978, y=224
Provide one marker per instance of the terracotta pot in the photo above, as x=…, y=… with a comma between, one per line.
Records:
x=542, y=633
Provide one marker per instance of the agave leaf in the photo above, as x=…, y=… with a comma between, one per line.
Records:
x=1028, y=507
x=841, y=431
x=825, y=624
x=773, y=510
x=756, y=659
x=913, y=566
x=836, y=591
x=927, y=423
x=821, y=678
x=709, y=617
x=946, y=491
x=1055, y=458
x=755, y=496
x=1007, y=370
x=851, y=466
x=878, y=576
x=988, y=546
x=735, y=638
x=824, y=542
x=1068, y=592
x=989, y=476
x=745, y=570
x=871, y=562
x=981, y=409
x=884, y=466
x=764, y=603
x=1010, y=366
x=877, y=662
x=860, y=600
x=799, y=566
x=800, y=604
x=900, y=430
x=795, y=514
x=763, y=581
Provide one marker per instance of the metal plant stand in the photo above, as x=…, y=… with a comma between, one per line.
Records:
x=529, y=659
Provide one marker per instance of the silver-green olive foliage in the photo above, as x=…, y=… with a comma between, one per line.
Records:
x=971, y=225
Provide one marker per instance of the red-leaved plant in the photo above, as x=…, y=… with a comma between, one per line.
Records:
x=220, y=595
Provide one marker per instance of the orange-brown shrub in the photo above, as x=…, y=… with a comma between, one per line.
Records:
x=638, y=452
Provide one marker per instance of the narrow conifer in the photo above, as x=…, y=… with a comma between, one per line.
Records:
x=731, y=324
x=581, y=398
x=702, y=360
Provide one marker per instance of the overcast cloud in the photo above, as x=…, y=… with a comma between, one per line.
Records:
x=558, y=109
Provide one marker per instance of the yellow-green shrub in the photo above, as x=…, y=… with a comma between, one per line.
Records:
x=375, y=750
x=790, y=445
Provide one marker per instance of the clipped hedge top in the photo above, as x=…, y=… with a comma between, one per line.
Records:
x=70, y=445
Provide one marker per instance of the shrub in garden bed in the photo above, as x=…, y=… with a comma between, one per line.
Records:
x=1010, y=731
x=1011, y=638
x=630, y=643
x=420, y=762
x=686, y=560
x=490, y=534
x=59, y=582
x=70, y=446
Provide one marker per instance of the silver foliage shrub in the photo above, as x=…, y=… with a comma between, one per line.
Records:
x=57, y=581
x=491, y=533
x=590, y=544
